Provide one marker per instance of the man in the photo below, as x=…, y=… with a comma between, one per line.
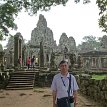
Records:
x=64, y=88
x=33, y=62
x=28, y=62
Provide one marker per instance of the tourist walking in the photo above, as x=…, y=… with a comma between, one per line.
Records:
x=33, y=62
x=64, y=87
x=28, y=62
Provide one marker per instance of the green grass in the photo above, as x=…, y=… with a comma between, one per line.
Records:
x=99, y=77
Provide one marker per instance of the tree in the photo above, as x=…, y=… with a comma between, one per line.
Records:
x=90, y=43
x=102, y=5
x=7, y=12
x=10, y=43
x=103, y=42
x=9, y=9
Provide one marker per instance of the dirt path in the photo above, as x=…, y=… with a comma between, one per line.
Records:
x=39, y=97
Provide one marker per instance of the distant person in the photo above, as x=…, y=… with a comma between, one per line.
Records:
x=33, y=62
x=64, y=87
x=28, y=62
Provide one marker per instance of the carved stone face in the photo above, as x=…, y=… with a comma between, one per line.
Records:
x=42, y=21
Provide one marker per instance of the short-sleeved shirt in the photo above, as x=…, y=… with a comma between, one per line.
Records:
x=60, y=84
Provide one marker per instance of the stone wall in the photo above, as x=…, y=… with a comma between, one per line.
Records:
x=95, y=89
x=44, y=79
x=4, y=77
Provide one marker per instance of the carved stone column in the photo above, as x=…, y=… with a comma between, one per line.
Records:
x=17, y=48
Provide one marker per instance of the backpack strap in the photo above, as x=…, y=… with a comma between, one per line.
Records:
x=69, y=87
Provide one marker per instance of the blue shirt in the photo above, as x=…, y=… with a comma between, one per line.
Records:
x=60, y=84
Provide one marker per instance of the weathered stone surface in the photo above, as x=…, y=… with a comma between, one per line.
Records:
x=43, y=33
x=1, y=48
x=96, y=89
x=69, y=43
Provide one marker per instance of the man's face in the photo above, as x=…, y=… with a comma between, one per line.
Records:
x=64, y=67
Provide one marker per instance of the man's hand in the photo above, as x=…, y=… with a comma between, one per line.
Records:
x=54, y=98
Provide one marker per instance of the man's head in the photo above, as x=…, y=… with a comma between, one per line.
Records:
x=63, y=65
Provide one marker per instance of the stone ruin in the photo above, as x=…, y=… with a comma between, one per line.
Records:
x=1, y=57
x=45, y=34
x=69, y=43
x=9, y=53
x=18, y=44
x=13, y=51
x=42, y=33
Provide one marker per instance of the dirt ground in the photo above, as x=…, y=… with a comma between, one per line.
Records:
x=38, y=97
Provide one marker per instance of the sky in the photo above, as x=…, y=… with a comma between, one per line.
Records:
x=76, y=20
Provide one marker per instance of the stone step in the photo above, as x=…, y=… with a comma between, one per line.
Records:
x=21, y=80
x=20, y=85
x=24, y=76
x=19, y=88
x=17, y=81
x=20, y=77
x=23, y=73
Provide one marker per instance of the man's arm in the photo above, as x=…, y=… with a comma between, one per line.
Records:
x=54, y=98
x=75, y=98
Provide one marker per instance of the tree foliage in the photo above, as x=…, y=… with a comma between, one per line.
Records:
x=103, y=42
x=90, y=43
x=10, y=43
x=102, y=5
x=9, y=9
x=7, y=12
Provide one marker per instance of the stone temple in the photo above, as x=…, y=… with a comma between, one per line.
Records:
x=41, y=33
x=69, y=43
x=45, y=34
